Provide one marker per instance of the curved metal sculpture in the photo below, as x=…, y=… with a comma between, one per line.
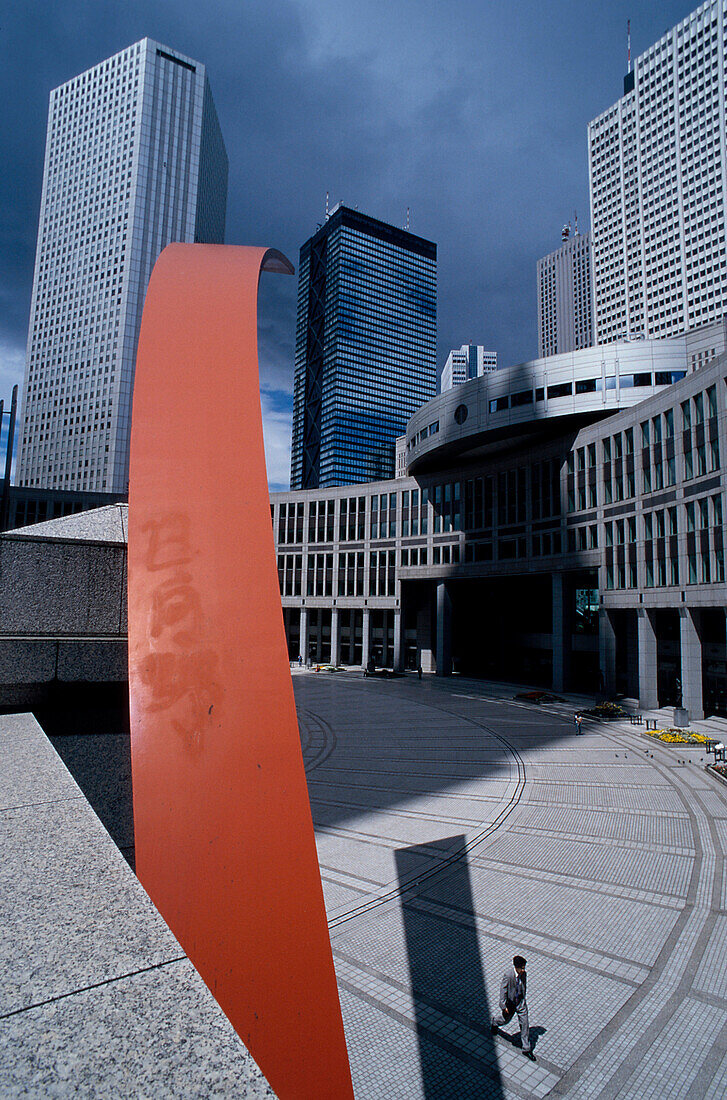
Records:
x=224, y=837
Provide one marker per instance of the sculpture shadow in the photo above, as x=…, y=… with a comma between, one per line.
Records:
x=447, y=981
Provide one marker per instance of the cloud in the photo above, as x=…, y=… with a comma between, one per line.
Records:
x=473, y=115
x=277, y=419
x=12, y=367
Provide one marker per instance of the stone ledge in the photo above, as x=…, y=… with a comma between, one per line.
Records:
x=96, y=995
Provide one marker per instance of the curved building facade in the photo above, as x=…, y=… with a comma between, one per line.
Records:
x=560, y=523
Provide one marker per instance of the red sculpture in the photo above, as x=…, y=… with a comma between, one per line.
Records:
x=224, y=837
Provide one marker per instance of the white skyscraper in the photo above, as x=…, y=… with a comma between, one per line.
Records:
x=134, y=159
x=469, y=361
x=565, y=297
x=657, y=163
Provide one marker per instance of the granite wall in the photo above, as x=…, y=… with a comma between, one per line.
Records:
x=62, y=615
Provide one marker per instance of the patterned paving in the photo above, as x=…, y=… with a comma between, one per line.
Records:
x=456, y=828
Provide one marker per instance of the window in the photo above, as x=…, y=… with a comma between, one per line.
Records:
x=714, y=462
x=698, y=408
x=672, y=521
x=712, y=401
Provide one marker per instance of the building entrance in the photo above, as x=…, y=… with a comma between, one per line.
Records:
x=501, y=629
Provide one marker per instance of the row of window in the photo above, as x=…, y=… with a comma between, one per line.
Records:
x=319, y=578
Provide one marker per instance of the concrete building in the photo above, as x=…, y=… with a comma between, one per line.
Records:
x=657, y=187
x=365, y=347
x=560, y=523
x=469, y=361
x=565, y=296
x=134, y=160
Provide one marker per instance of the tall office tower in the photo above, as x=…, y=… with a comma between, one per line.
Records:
x=469, y=361
x=565, y=296
x=657, y=182
x=364, y=349
x=134, y=159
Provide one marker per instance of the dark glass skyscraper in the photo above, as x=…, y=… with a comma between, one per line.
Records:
x=365, y=347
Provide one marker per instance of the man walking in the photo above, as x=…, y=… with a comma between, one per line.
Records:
x=512, y=1000
x=577, y=720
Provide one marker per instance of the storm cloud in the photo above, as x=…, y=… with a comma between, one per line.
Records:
x=472, y=114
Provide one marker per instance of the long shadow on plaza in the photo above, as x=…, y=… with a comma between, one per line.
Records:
x=447, y=979
x=88, y=725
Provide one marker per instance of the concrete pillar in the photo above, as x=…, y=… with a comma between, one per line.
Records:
x=425, y=654
x=691, y=650
x=335, y=638
x=632, y=663
x=561, y=633
x=352, y=636
x=319, y=635
x=444, y=631
x=607, y=650
x=398, y=656
x=303, y=640
x=648, y=685
x=366, y=637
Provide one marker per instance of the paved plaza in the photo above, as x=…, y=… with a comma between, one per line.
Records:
x=457, y=827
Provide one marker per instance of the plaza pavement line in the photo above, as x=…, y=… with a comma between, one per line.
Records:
x=606, y=871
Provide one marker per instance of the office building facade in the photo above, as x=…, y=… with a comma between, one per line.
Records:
x=657, y=162
x=559, y=523
x=365, y=347
x=134, y=160
x=469, y=361
x=565, y=297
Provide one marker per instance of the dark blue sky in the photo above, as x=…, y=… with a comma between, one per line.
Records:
x=472, y=113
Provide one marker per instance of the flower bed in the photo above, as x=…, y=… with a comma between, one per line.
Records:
x=608, y=712
x=538, y=697
x=673, y=736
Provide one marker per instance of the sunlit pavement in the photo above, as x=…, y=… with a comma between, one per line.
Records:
x=456, y=829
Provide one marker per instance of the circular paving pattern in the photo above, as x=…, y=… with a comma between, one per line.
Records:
x=455, y=829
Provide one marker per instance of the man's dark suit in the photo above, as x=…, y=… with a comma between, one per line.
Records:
x=512, y=1000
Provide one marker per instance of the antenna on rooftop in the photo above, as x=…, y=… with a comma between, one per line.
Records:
x=575, y=222
x=326, y=206
x=407, y=219
x=628, y=38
